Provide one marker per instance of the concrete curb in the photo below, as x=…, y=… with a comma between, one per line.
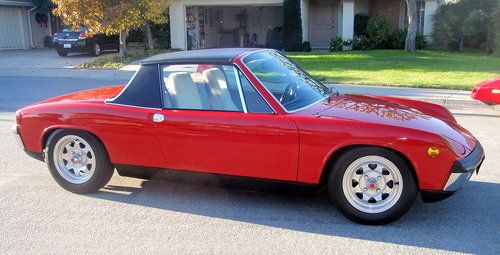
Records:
x=459, y=104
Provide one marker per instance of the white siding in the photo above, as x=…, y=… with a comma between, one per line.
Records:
x=11, y=28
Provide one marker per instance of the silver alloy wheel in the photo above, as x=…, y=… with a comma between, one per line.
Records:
x=74, y=159
x=372, y=184
x=97, y=49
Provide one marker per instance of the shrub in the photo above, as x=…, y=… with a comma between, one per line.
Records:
x=421, y=42
x=292, y=25
x=398, y=39
x=306, y=46
x=380, y=32
x=360, y=43
x=336, y=44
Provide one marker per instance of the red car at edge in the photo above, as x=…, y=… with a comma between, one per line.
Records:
x=253, y=113
x=487, y=91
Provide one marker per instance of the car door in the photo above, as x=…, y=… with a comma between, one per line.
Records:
x=206, y=126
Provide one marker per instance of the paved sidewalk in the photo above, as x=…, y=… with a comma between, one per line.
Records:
x=452, y=99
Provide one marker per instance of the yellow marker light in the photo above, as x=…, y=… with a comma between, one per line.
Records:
x=433, y=152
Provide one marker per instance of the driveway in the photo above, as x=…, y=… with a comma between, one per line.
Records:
x=44, y=59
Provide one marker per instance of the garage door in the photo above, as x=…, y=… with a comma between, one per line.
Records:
x=11, y=29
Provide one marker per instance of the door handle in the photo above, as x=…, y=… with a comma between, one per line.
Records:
x=158, y=117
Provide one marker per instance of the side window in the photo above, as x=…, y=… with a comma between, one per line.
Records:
x=254, y=101
x=200, y=87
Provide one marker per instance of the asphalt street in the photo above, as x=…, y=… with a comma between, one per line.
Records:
x=202, y=215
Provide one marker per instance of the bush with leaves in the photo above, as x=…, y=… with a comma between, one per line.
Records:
x=336, y=44
x=421, y=42
x=398, y=39
x=306, y=46
x=360, y=43
x=380, y=32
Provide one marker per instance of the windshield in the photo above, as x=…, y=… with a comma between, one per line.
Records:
x=289, y=84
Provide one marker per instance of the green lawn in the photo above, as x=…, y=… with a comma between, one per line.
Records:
x=432, y=69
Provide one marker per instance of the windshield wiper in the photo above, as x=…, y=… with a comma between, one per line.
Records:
x=331, y=92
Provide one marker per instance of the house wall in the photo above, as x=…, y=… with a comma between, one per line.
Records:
x=362, y=7
x=389, y=8
x=21, y=22
x=430, y=11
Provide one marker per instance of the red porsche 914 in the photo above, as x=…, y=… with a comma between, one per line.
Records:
x=253, y=113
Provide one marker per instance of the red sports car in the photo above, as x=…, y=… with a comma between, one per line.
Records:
x=487, y=91
x=253, y=113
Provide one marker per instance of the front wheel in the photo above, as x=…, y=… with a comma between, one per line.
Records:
x=78, y=161
x=372, y=185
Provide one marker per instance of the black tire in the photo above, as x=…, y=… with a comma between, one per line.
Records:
x=103, y=169
x=62, y=53
x=337, y=194
x=96, y=51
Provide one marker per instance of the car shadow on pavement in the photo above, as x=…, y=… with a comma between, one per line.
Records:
x=466, y=222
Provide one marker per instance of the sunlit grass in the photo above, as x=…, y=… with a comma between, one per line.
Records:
x=434, y=69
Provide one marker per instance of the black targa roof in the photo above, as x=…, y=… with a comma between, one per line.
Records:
x=210, y=56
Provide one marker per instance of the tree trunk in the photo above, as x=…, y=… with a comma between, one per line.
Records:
x=123, y=43
x=412, y=25
x=149, y=37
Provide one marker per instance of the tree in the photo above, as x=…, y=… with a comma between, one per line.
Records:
x=466, y=24
x=495, y=30
x=292, y=25
x=412, y=25
x=107, y=16
x=154, y=13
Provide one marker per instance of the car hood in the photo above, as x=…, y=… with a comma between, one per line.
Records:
x=383, y=111
x=99, y=94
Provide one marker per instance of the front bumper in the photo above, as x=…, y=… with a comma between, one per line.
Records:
x=461, y=172
x=19, y=140
x=18, y=137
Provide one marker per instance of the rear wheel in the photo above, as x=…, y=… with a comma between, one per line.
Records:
x=96, y=49
x=372, y=185
x=62, y=53
x=78, y=161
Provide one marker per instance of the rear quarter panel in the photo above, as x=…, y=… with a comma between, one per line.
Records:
x=126, y=132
